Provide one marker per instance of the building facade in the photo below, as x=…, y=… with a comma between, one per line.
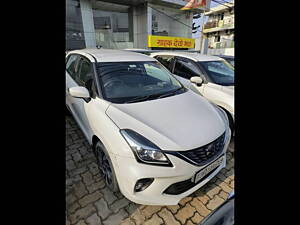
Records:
x=219, y=30
x=120, y=24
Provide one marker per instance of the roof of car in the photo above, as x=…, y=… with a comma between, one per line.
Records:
x=112, y=55
x=191, y=55
x=226, y=56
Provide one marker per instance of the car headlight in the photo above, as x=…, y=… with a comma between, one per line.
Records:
x=144, y=150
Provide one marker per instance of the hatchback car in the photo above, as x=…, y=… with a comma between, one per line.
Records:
x=155, y=140
x=210, y=76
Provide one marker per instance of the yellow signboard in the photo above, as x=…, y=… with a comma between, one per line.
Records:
x=170, y=42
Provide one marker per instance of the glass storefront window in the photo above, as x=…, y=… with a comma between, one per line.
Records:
x=113, y=25
x=171, y=22
x=110, y=25
x=74, y=26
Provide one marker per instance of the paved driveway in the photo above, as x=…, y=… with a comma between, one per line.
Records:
x=89, y=201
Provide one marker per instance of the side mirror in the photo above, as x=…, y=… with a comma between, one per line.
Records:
x=79, y=92
x=197, y=80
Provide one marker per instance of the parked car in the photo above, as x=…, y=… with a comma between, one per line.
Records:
x=228, y=58
x=223, y=215
x=155, y=140
x=210, y=76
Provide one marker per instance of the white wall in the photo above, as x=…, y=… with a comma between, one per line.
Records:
x=197, y=44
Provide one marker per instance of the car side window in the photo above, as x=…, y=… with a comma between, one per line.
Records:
x=85, y=74
x=165, y=60
x=71, y=65
x=186, y=69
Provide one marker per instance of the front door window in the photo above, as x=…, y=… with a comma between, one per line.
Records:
x=186, y=69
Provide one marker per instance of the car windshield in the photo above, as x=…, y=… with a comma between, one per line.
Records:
x=125, y=82
x=220, y=72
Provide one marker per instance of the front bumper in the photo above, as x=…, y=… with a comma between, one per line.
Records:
x=129, y=171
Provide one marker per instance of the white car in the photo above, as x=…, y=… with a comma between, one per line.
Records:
x=155, y=140
x=216, y=73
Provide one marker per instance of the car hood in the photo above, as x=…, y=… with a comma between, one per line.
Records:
x=181, y=122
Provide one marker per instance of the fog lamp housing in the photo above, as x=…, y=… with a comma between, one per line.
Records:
x=142, y=184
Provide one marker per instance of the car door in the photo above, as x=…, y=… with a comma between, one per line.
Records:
x=168, y=62
x=219, y=94
x=84, y=78
x=186, y=68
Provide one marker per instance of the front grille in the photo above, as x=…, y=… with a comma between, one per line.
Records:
x=183, y=186
x=204, y=154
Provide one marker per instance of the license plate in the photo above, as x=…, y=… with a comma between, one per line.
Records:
x=200, y=174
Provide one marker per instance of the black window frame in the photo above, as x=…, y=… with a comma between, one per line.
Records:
x=171, y=61
x=202, y=74
x=82, y=83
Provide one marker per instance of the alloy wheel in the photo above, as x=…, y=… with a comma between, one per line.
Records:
x=104, y=165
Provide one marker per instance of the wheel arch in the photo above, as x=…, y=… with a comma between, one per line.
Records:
x=229, y=115
x=95, y=138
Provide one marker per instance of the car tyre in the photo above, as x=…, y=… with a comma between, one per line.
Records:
x=230, y=120
x=105, y=166
x=231, y=124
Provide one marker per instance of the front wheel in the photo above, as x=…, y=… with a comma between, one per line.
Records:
x=106, y=167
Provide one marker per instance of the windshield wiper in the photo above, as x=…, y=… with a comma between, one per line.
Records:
x=146, y=97
x=138, y=99
x=171, y=93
